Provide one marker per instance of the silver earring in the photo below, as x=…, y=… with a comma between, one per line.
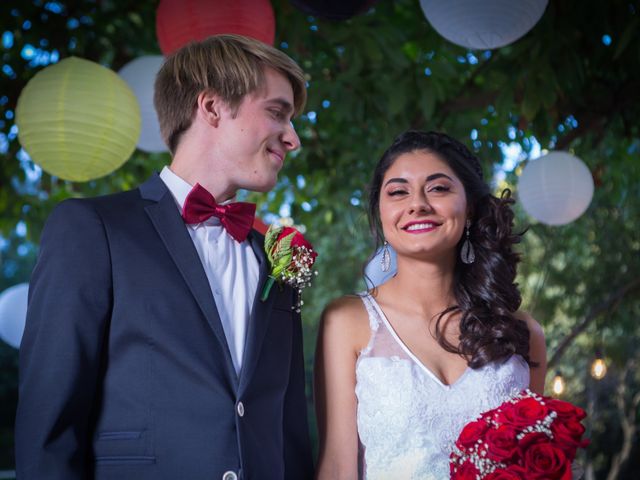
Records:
x=385, y=262
x=467, y=255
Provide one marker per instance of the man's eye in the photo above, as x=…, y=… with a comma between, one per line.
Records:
x=277, y=114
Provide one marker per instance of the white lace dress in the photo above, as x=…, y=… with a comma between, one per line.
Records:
x=408, y=420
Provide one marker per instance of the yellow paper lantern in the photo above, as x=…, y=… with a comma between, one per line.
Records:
x=78, y=120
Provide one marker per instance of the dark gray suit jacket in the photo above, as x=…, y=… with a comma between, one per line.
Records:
x=125, y=372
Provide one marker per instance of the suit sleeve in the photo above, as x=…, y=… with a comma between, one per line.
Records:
x=297, y=448
x=60, y=355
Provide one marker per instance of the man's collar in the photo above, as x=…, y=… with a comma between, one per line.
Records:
x=178, y=187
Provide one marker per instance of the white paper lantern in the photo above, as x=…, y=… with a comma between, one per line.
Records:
x=483, y=24
x=556, y=188
x=140, y=75
x=374, y=276
x=13, y=313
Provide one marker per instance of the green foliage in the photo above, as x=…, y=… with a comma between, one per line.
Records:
x=370, y=78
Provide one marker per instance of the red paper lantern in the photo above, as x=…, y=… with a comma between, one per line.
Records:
x=260, y=226
x=179, y=22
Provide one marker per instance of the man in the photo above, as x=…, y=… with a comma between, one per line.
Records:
x=148, y=353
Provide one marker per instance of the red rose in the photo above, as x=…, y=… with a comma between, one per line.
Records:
x=471, y=433
x=298, y=240
x=568, y=436
x=502, y=444
x=523, y=413
x=512, y=473
x=466, y=471
x=544, y=461
x=565, y=409
x=531, y=439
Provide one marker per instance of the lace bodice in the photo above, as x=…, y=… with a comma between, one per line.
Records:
x=408, y=420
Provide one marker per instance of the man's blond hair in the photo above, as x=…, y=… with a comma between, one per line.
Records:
x=232, y=66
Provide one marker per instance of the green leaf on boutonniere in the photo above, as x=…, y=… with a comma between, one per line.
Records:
x=291, y=258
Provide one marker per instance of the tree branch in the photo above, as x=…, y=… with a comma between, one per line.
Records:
x=596, y=311
x=627, y=422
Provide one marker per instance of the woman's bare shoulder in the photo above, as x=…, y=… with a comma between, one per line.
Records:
x=348, y=316
x=535, y=329
x=346, y=305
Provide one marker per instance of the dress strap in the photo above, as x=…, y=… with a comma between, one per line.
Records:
x=374, y=320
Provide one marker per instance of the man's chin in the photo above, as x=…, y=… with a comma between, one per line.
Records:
x=262, y=187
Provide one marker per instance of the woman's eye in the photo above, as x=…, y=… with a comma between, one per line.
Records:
x=396, y=192
x=440, y=188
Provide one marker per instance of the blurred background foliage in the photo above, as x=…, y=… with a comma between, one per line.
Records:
x=572, y=83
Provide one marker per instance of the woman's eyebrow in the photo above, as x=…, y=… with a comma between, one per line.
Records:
x=438, y=175
x=428, y=179
x=396, y=180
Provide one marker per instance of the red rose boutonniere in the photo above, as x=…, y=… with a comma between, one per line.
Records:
x=291, y=258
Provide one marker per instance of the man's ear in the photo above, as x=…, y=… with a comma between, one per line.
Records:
x=209, y=107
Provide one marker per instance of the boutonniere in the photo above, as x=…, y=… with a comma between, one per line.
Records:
x=291, y=258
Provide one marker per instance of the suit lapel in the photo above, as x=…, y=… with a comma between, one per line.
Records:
x=260, y=314
x=167, y=221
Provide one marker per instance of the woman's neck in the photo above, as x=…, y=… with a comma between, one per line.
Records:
x=423, y=286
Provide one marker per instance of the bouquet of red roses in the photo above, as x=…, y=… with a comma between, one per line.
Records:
x=527, y=437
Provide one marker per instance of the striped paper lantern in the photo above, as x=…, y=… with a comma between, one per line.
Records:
x=13, y=313
x=555, y=189
x=179, y=22
x=78, y=120
x=140, y=75
x=485, y=24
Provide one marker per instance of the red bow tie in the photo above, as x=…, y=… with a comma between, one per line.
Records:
x=236, y=218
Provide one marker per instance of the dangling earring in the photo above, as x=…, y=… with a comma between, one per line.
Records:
x=467, y=255
x=385, y=262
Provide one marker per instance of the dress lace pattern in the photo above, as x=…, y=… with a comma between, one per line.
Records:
x=408, y=420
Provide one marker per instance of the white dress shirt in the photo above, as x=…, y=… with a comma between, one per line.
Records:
x=231, y=267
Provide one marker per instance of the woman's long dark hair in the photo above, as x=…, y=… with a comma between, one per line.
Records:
x=485, y=291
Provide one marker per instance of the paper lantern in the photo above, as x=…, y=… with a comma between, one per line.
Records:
x=374, y=276
x=78, y=120
x=333, y=9
x=556, y=188
x=179, y=22
x=260, y=226
x=140, y=75
x=483, y=24
x=13, y=313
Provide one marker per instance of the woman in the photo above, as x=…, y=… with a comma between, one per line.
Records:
x=401, y=369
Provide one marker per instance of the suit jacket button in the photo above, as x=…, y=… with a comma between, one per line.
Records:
x=229, y=475
x=240, y=409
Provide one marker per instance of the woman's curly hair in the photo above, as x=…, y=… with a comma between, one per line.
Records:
x=485, y=291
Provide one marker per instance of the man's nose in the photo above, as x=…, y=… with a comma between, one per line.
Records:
x=290, y=138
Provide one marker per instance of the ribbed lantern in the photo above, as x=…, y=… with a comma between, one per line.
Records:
x=140, y=75
x=555, y=189
x=78, y=120
x=13, y=313
x=179, y=22
x=483, y=24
